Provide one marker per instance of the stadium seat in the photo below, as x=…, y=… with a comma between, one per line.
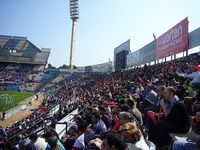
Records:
x=13, y=87
x=3, y=53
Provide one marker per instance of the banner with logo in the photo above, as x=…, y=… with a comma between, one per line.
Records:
x=173, y=41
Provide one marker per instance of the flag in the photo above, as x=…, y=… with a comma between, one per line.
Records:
x=141, y=80
x=197, y=67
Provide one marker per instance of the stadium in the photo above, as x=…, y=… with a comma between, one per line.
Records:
x=148, y=99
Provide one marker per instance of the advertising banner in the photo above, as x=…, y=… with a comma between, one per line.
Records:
x=173, y=41
x=133, y=59
x=148, y=53
x=88, y=69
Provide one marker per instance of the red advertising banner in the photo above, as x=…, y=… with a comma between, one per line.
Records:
x=173, y=41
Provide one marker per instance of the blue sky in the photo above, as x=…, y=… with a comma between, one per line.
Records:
x=103, y=25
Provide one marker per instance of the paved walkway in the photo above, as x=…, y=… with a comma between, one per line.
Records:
x=23, y=113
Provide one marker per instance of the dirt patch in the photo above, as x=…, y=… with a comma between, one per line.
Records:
x=23, y=113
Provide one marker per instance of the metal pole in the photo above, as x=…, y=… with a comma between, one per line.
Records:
x=71, y=63
x=74, y=15
x=186, y=52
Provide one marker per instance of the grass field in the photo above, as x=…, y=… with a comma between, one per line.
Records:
x=13, y=98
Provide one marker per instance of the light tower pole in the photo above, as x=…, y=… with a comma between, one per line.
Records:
x=74, y=15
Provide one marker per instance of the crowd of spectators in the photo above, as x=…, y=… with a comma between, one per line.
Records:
x=8, y=77
x=21, y=77
x=39, y=117
x=127, y=110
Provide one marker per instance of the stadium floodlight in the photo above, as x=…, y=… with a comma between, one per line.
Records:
x=74, y=9
x=74, y=15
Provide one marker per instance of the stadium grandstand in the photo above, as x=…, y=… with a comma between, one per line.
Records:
x=22, y=64
x=150, y=102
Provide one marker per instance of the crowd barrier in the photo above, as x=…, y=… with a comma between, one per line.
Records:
x=20, y=108
x=63, y=125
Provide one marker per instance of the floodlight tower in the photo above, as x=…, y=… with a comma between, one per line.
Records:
x=74, y=15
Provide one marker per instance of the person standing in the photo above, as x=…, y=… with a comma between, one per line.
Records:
x=3, y=115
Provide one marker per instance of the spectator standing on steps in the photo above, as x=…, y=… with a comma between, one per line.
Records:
x=3, y=115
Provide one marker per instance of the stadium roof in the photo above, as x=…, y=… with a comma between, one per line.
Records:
x=17, y=43
x=17, y=49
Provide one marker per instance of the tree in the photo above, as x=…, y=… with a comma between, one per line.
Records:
x=66, y=67
x=50, y=66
